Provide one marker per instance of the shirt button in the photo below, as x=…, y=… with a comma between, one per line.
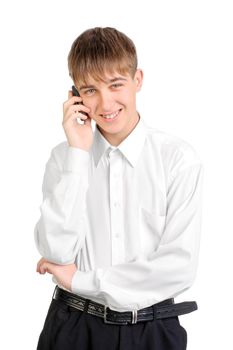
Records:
x=117, y=235
x=115, y=204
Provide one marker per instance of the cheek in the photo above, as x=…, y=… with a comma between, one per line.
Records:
x=123, y=99
x=129, y=100
x=91, y=105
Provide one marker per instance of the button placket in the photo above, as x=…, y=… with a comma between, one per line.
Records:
x=115, y=191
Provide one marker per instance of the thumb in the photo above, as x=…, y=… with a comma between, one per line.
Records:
x=70, y=94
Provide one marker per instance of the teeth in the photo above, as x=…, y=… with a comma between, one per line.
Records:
x=111, y=116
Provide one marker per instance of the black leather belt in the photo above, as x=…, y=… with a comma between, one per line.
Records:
x=165, y=308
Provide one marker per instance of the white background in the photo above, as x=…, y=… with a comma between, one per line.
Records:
x=185, y=50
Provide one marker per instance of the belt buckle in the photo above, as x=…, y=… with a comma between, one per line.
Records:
x=111, y=322
x=134, y=317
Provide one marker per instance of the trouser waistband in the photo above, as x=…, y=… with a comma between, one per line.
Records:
x=163, y=309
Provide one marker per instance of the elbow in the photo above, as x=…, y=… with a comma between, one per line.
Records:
x=57, y=256
x=189, y=275
x=61, y=251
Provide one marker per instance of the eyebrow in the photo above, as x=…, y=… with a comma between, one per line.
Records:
x=82, y=87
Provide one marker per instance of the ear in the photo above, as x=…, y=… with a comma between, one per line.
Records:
x=138, y=78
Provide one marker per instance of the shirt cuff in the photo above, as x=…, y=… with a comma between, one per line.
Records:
x=87, y=282
x=76, y=160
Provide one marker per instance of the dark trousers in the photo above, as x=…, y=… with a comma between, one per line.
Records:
x=66, y=328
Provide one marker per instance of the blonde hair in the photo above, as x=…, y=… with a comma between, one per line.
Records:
x=98, y=51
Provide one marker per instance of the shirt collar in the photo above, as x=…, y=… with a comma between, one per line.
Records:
x=130, y=147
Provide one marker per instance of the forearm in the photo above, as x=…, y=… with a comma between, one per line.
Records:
x=59, y=232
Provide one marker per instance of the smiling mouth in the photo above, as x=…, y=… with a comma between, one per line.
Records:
x=111, y=116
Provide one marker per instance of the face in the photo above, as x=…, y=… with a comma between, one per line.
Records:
x=113, y=104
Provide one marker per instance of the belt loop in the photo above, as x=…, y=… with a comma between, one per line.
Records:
x=86, y=305
x=134, y=316
x=54, y=293
x=155, y=311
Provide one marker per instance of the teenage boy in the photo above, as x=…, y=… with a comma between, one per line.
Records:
x=121, y=214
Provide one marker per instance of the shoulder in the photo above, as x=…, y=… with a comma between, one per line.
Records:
x=175, y=152
x=60, y=148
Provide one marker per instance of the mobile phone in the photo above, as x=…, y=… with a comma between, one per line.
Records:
x=76, y=93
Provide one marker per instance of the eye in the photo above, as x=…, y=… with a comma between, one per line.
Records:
x=89, y=92
x=116, y=85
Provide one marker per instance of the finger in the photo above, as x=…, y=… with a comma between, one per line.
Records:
x=88, y=121
x=71, y=101
x=39, y=263
x=44, y=268
x=76, y=112
x=41, y=269
x=75, y=118
x=79, y=108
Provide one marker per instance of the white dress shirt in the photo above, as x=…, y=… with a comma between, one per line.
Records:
x=128, y=216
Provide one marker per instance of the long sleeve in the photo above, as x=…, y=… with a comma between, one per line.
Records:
x=171, y=268
x=59, y=231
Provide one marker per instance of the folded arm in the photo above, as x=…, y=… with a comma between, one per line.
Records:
x=170, y=269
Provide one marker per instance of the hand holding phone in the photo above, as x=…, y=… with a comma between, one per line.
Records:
x=78, y=135
x=76, y=93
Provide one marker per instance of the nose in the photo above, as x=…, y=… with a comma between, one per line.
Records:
x=106, y=102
